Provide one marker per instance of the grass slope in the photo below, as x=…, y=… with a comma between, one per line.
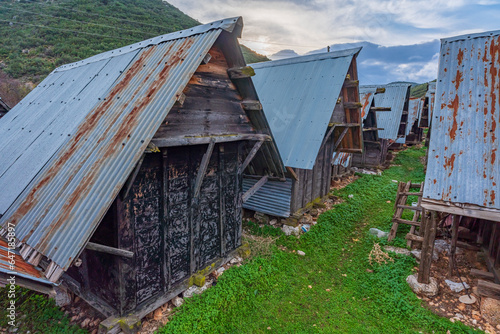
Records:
x=287, y=293
x=38, y=35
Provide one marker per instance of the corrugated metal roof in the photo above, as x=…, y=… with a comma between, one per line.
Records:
x=394, y=98
x=342, y=159
x=299, y=96
x=18, y=266
x=366, y=96
x=272, y=198
x=414, y=110
x=73, y=141
x=462, y=166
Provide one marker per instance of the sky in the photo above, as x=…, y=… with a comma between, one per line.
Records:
x=412, y=28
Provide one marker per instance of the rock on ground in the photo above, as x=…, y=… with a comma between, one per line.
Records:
x=177, y=301
x=430, y=289
x=290, y=230
x=418, y=253
x=456, y=286
x=301, y=253
x=397, y=250
x=378, y=233
x=62, y=297
x=490, y=310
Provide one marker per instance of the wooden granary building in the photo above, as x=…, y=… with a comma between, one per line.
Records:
x=463, y=171
x=312, y=105
x=136, y=156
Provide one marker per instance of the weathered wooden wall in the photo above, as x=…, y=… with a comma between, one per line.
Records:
x=314, y=183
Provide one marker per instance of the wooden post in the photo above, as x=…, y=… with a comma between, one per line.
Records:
x=429, y=235
x=453, y=246
x=399, y=211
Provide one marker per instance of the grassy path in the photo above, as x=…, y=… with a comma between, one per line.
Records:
x=331, y=289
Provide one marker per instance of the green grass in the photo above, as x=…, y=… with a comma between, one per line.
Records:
x=273, y=291
x=36, y=313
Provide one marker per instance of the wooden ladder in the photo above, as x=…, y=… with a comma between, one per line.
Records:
x=400, y=205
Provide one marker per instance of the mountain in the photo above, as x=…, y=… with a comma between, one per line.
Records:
x=252, y=56
x=284, y=54
x=36, y=36
x=379, y=64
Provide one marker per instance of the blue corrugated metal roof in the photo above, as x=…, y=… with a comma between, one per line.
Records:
x=462, y=166
x=299, y=96
x=394, y=97
x=72, y=142
x=272, y=198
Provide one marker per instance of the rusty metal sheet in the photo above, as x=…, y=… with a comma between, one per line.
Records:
x=414, y=110
x=366, y=96
x=64, y=200
x=462, y=161
x=299, y=96
x=342, y=159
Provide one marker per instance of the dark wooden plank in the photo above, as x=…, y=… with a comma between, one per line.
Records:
x=250, y=156
x=109, y=250
x=453, y=246
x=488, y=289
x=485, y=275
x=203, y=168
x=241, y=72
x=429, y=235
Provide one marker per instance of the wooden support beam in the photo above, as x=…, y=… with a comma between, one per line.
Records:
x=292, y=173
x=408, y=193
x=453, y=247
x=254, y=188
x=377, y=109
x=380, y=91
x=203, y=168
x=429, y=234
x=109, y=250
x=400, y=200
x=339, y=140
x=404, y=221
x=482, y=274
x=131, y=179
x=240, y=72
x=203, y=139
x=372, y=129
x=251, y=105
x=351, y=83
x=352, y=105
x=465, y=245
x=325, y=139
x=488, y=289
x=180, y=99
x=250, y=156
x=206, y=59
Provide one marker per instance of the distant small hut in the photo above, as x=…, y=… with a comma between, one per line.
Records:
x=374, y=148
x=312, y=104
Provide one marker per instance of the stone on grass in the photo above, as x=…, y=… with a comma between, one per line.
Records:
x=299, y=252
x=430, y=289
x=490, y=310
x=62, y=297
x=397, y=250
x=378, y=233
x=290, y=230
x=177, y=301
x=418, y=253
x=456, y=286
x=273, y=222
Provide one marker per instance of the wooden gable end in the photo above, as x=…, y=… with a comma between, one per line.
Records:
x=211, y=105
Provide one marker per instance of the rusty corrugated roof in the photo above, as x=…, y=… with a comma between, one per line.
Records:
x=71, y=144
x=462, y=163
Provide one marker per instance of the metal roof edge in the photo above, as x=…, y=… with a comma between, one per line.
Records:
x=304, y=59
x=470, y=36
x=233, y=24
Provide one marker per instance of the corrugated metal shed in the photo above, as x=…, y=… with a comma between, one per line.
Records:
x=299, y=96
x=462, y=165
x=342, y=159
x=394, y=98
x=71, y=144
x=272, y=198
x=414, y=110
x=366, y=96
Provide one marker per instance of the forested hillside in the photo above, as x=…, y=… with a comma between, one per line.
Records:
x=37, y=36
